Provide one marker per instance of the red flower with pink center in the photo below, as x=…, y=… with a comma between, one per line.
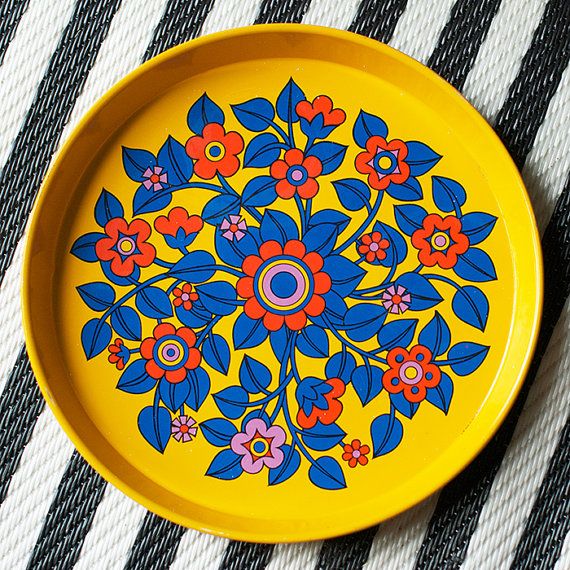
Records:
x=184, y=296
x=355, y=453
x=384, y=162
x=296, y=174
x=373, y=246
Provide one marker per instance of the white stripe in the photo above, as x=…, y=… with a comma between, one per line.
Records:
x=512, y=495
x=501, y=54
x=31, y=491
x=228, y=14
x=25, y=63
x=331, y=13
x=418, y=30
x=563, y=563
x=548, y=163
x=297, y=556
x=198, y=551
x=112, y=533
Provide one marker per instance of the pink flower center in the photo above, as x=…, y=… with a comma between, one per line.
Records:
x=356, y=453
x=296, y=175
x=185, y=296
x=374, y=246
x=439, y=241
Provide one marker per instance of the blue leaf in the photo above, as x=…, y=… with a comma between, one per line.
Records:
x=136, y=161
x=226, y=465
x=278, y=226
x=235, y=251
x=84, y=246
x=471, y=306
x=314, y=342
x=477, y=226
x=173, y=395
x=386, y=432
x=408, y=191
x=322, y=437
x=345, y=274
x=254, y=376
x=218, y=431
x=153, y=303
x=340, y=365
x=255, y=115
x=352, y=193
x=216, y=352
x=409, y=217
x=154, y=425
x=397, y=333
x=475, y=265
x=95, y=336
x=278, y=340
x=259, y=191
x=148, y=200
x=436, y=335
x=220, y=207
x=248, y=333
x=290, y=464
x=98, y=296
x=366, y=126
x=107, y=208
x=326, y=473
x=448, y=194
x=465, y=357
x=321, y=238
x=316, y=129
x=335, y=217
x=231, y=401
x=135, y=379
x=287, y=101
x=367, y=382
x=421, y=158
x=424, y=294
x=202, y=112
x=127, y=323
x=195, y=267
x=218, y=297
x=263, y=150
x=335, y=310
x=177, y=164
x=196, y=317
x=406, y=408
x=441, y=395
x=199, y=387
x=397, y=250
x=330, y=154
x=364, y=320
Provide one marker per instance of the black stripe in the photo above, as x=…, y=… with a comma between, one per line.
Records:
x=11, y=12
x=69, y=517
x=461, y=38
x=377, y=19
x=347, y=552
x=20, y=406
x=155, y=545
x=246, y=556
x=285, y=11
x=549, y=521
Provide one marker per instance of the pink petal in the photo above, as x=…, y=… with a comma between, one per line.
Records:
x=147, y=184
x=178, y=436
x=278, y=435
x=395, y=152
x=186, y=438
x=237, y=443
x=404, y=307
x=251, y=466
x=386, y=296
x=274, y=461
x=391, y=290
x=193, y=431
x=234, y=219
x=242, y=225
x=239, y=234
x=157, y=169
x=225, y=225
x=401, y=290
x=157, y=186
x=163, y=177
x=394, y=309
x=387, y=304
x=148, y=172
x=228, y=235
x=256, y=425
x=406, y=298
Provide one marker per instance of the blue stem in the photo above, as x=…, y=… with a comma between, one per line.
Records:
x=302, y=214
x=206, y=330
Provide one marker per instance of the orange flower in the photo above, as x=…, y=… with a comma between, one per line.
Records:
x=323, y=105
x=296, y=174
x=118, y=354
x=384, y=162
x=373, y=246
x=215, y=151
x=178, y=218
x=355, y=453
x=170, y=352
x=184, y=296
x=283, y=285
x=440, y=241
x=411, y=372
x=330, y=413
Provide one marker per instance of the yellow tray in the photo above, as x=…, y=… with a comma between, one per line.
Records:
x=281, y=283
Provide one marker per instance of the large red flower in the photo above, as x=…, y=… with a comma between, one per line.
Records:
x=384, y=162
x=296, y=174
x=328, y=414
x=170, y=353
x=411, y=373
x=323, y=105
x=440, y=241
x=178, y=218
x=215, y=151
x=125, y=246
x=283, y=285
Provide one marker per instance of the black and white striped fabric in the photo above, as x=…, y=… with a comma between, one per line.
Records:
x=511, y=507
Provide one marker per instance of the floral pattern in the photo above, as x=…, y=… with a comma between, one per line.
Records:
x=346, y=287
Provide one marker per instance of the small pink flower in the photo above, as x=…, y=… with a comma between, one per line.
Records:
x=183, y=428
x=154, y=178
x=235, y=227
x=260, y=445
x=396, y=300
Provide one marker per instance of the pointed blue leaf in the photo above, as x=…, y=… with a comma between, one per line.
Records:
x=98, y=296
x=235, y=251
x=314, y=342
x=409, y=217
x=218, y=431
x=397, y=333
x=448, y=194
x=397, y=249
x=173, y=395
x=177, y=164
x=328, y=216
x=471, y=306
x=321, y=238
x=126, y=323
x=330, y=154
x=199, y=381
x=259, y=191
x=407, y=191
x=340, y=365
x=95, y=337
x=289, y=465
x=220, y=207
x=216, y=352
x=202, y=112
x=84, y=246
x=367, y=382
x=195, y=267
x=345, y=274
x=154, y=425
x=263, y=150
x=420, y=158
x=107, y=208
x=248, y=333
x=136, y=161
x=436, y=335
x=255, y=114
x=326, y=473
x=352, y=193
x=226, y=465
x=364, y=320
x=218, y=297
x=406, y=408
x=135, y=379
x=475, y=265
x=153, y=303
x=231, y=401
x=477, y=226
x=148, y=200
x=254, y=376
x=366, y=126
x=465, y=357
x=441, y=395
x=278, y=226
x=322, y=437
x=290, y=95
x=424, y=294
x=386, y=432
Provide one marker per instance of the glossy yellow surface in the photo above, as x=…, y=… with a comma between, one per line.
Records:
x=153, y=101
